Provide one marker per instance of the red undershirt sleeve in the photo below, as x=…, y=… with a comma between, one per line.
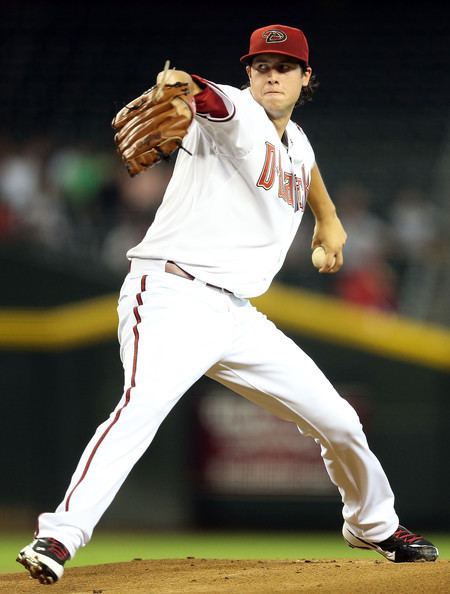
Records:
x=211, y=102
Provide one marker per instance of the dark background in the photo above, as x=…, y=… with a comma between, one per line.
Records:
x=382, y=67
x=380, y=114
x=84, y=59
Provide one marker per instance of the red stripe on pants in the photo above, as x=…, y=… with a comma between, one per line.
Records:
x=127, y=393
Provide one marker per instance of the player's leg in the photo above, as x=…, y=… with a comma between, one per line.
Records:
x=271, y=370
x=171, y=331
x=268, y=368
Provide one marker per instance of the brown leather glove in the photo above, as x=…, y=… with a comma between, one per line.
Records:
x=153, y=126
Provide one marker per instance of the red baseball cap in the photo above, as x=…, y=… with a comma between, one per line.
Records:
x=278, y=39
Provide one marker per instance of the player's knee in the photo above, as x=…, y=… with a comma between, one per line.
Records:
x=345, y=429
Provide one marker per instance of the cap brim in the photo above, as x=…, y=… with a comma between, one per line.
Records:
x=246, y=58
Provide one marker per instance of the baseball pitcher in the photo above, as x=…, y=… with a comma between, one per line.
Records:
x=244, y=174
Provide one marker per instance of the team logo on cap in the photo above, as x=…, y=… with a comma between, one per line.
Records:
x=274, y=36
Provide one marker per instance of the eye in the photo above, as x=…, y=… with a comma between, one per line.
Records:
x=261, y=67
x=285, y=67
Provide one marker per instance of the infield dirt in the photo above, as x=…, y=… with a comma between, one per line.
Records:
x=208, y=576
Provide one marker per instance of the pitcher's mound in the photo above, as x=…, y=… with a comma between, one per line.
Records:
x=211, y=576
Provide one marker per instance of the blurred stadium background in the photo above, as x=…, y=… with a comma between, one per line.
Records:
x=379, y=124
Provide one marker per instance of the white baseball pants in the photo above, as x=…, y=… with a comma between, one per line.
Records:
x=172, y=331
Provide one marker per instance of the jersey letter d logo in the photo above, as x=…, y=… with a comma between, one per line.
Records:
x=274, y=36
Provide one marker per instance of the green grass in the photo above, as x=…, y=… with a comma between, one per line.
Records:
x=114, y=547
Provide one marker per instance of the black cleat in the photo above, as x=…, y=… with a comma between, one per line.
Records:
x=44, y=558
x=402, y=547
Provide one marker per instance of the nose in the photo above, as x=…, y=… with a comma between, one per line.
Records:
x=272, y=76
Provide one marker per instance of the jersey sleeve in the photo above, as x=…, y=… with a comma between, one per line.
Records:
x=222, y=118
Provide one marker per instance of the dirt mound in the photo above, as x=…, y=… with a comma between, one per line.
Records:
x=209, y=576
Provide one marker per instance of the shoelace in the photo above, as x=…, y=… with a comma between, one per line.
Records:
x=407, y=536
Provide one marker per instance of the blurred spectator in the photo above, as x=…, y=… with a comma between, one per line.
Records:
x=9, y=223
x=373, y=285
x=414, y=225
x=368, y=234
x=76, y=200
x=142, y=194
x=79, y=202
x=78, y=175
x=20, y=177
x=367, y=277
x=139, y=199
x=22, y=193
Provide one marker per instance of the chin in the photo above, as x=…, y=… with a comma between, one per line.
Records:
x=273, y=102
x=274, y=109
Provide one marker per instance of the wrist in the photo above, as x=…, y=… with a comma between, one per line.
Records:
x=325, y=215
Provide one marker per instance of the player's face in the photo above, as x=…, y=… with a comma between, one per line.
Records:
x=276, y=82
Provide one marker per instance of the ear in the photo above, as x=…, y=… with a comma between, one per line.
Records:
x=248, y=70
x=306, y=76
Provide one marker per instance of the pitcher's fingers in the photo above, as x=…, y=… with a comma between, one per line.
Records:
x=339, y=262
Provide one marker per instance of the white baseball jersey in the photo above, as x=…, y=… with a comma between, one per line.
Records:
x=231, y=210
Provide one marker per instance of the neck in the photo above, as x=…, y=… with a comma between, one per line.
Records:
x=280, y=124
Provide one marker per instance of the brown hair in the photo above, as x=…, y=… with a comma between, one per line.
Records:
x=308, y=91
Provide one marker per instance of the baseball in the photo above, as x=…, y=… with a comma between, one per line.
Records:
x=318, y=257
